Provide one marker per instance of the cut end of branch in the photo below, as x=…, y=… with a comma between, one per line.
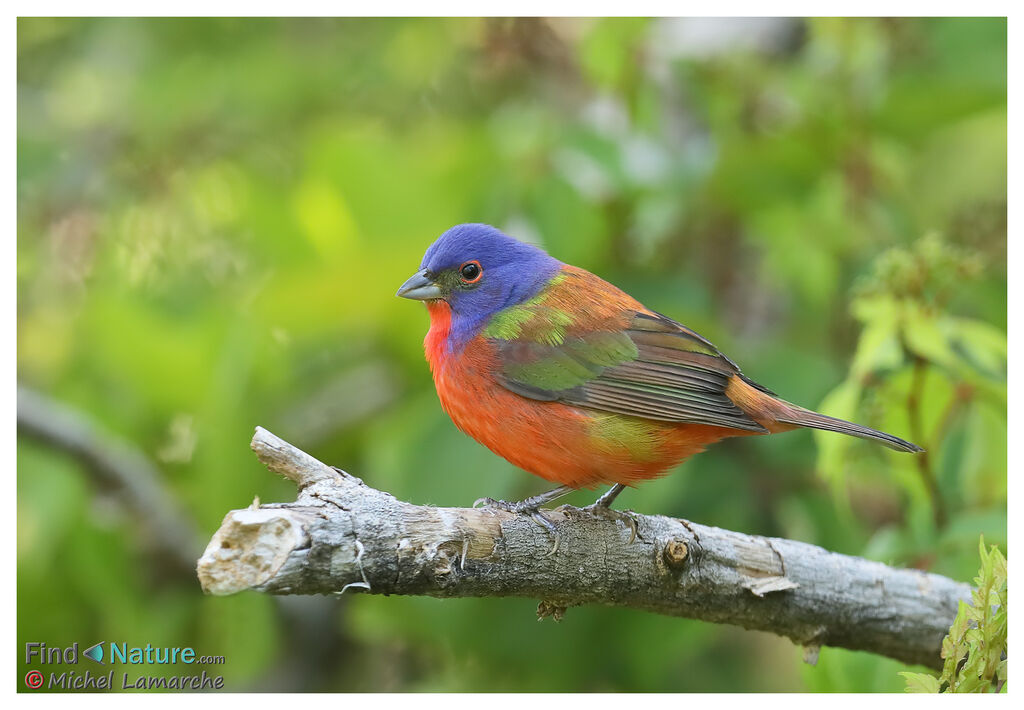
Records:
x=676, y=552
x=248, y=550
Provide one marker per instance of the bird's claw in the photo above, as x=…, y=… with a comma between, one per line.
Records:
x=550, y=526
x=520, y=508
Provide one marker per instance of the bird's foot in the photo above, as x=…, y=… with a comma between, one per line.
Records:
x=601, y=509
x=519, y=508
x=531, y=507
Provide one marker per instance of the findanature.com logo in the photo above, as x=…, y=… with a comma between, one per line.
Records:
x=37, y=653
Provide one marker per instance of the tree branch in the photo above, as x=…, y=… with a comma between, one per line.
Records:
x=343, y=535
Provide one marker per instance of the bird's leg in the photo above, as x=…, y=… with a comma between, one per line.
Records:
x=602, y=508
x=605, y=501
x=532, y=506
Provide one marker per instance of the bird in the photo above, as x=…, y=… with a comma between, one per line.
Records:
x=573, y=380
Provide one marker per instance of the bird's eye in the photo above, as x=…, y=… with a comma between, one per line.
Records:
x=471, y=272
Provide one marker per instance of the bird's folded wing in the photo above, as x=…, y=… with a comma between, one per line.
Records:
x=654, y=368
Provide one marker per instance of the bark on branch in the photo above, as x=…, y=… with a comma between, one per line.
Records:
x=343, y=535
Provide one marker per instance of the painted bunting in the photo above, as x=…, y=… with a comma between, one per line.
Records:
x=570, y=378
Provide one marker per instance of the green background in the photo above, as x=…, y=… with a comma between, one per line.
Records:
x=214, y=216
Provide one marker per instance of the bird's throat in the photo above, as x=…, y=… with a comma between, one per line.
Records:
x=436, y=343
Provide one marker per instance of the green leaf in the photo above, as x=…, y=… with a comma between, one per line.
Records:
x=878, y=347
x=982, y=345
x=920, y=682
x=924, y=337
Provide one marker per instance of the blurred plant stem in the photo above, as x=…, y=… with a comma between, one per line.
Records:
x=962, y=396
x=924, y=460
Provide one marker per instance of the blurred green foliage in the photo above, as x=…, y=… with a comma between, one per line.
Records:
x=214, y=215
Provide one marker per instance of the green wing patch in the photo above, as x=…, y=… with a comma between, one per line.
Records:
x=557, y=367
x=654, y=369
x=532, y=320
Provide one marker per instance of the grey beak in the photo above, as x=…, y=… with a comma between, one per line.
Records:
x=419, y=288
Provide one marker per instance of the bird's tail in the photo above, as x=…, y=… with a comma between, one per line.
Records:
x=799, y=416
